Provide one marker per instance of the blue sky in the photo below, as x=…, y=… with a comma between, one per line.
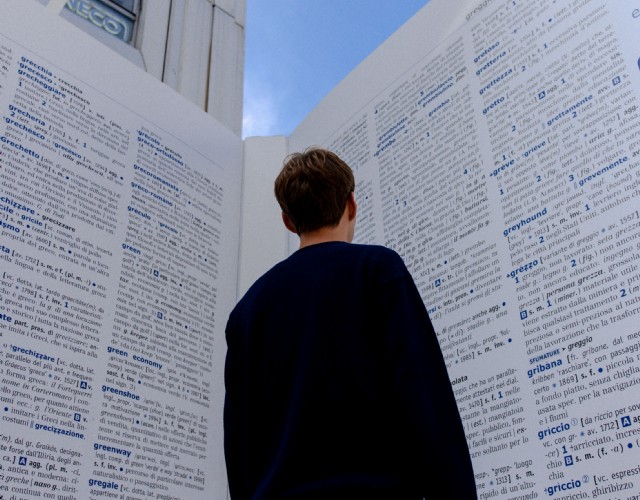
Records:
x=298, y=50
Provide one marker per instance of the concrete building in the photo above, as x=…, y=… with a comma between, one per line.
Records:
x=194, y=46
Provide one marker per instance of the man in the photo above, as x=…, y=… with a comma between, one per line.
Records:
x=336, y=385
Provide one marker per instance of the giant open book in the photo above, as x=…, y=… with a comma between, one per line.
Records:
x=496, y=147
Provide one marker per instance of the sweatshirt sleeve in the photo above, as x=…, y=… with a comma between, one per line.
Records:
x=424, y=393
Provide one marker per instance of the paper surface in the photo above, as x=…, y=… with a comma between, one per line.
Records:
x=119, y=220
x=496, y=147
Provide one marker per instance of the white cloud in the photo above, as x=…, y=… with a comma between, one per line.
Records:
x=260, y=116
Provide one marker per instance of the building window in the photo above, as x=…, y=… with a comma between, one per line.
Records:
x=116, y=17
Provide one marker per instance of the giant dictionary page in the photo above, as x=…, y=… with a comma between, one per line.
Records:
x=119, y=225
x=496, y=147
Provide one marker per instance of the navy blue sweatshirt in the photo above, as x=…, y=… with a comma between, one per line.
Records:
x=336, y=386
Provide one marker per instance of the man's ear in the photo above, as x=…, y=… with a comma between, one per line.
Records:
x=288, y=224
x=352, y=206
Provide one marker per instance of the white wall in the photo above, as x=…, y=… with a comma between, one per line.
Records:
x=263, y=237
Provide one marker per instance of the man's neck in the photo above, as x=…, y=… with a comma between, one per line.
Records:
x=343, y=231
x=324, y=235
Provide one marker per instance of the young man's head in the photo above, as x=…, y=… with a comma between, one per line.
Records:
x=313, y=188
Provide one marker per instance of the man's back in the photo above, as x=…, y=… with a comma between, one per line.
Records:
x=332, y=373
